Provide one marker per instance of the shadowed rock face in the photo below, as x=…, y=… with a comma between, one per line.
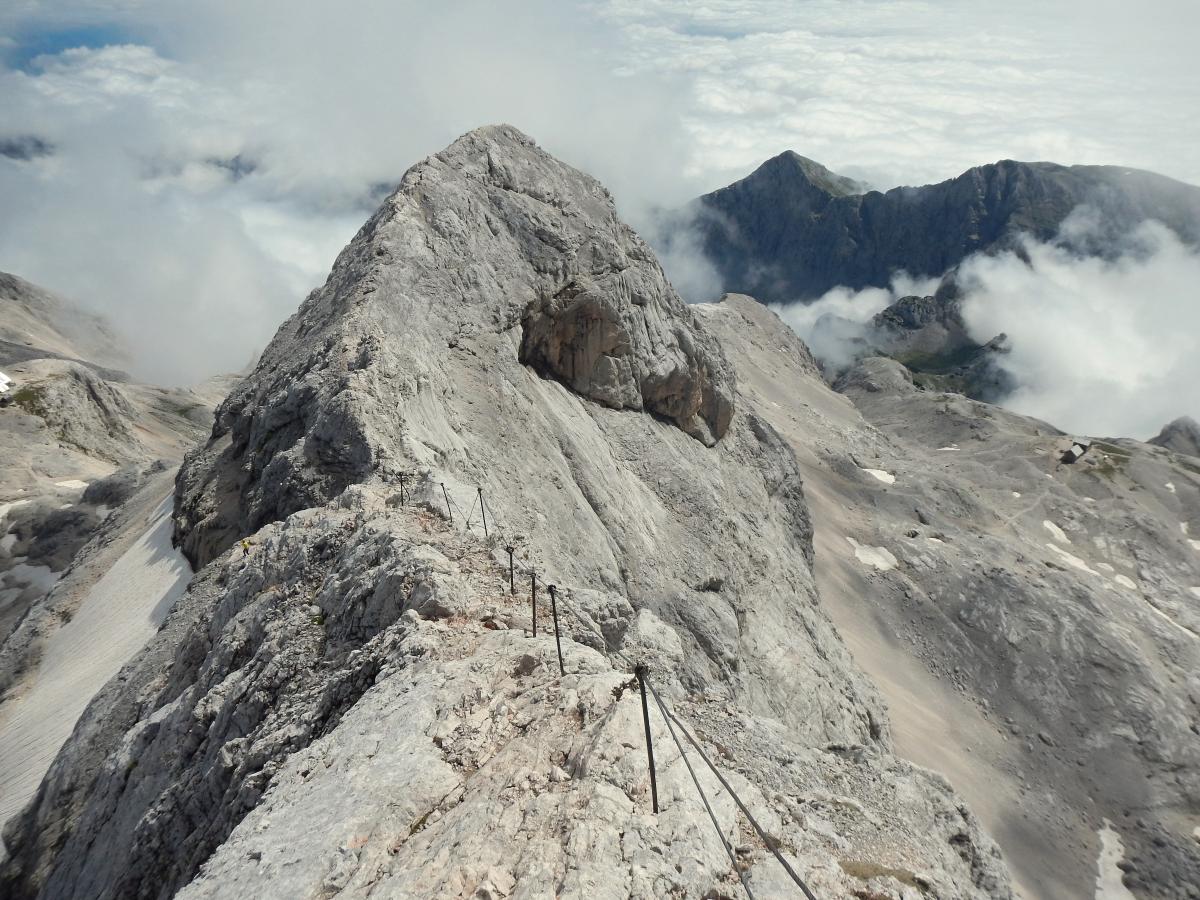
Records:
x=1181, y=435
x=610, y=340
x=788, y=232
x=491, y=236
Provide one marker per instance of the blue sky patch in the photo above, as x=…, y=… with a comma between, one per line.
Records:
x=32, y=44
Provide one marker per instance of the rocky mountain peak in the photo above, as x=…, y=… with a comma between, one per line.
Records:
x=790, y=182
x=792, y=230
x=491, y=249
x=812, y=173
x=494, y=348
x=1181, y=435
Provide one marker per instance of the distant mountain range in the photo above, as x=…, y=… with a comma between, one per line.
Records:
x=793, y=229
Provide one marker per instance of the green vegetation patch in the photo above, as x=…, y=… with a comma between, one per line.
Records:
x=32, y=399
x=941, y=363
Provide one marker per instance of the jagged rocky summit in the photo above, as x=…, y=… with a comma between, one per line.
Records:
x=481, y=250
x=792, y=230
x=349, y=704
x=1181, y=435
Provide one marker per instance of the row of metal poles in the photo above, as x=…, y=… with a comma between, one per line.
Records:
x=641, y=672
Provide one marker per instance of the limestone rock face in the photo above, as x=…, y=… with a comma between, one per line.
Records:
x=609, y=340
x=83, y=410
x=491, y=246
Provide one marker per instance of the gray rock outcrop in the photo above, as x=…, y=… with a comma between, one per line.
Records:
x=484, y=242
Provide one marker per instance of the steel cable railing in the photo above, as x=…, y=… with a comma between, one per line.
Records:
x=641, y=672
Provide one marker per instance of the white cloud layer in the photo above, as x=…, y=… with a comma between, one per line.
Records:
x=202, y=186
x=836, y=327
x=208, y=167
x=917, y=91
x=1100, y=346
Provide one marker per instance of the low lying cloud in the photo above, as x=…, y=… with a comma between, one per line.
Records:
x=194, y=175
x=837, y=327
x=678, y=242
x=190, y=169
x=1101, y=345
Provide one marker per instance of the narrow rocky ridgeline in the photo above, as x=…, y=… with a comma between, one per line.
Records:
x=352, y=707
x=792, y=230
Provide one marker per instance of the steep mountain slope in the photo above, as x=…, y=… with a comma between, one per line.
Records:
x=350, y=705
x=71, y=422
x=86, y=457
x=789, y=232
x=38, y=324
x=1034, y=626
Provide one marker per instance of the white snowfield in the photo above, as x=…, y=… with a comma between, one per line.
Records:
x=879, y=557
x=1057, y=533
x=5, y=383
x=120, y=613
x=1072, y=560
x=1109, y=885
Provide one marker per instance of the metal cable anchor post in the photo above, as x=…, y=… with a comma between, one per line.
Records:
x=640, y=671
x=562, y=670
x=533, y=598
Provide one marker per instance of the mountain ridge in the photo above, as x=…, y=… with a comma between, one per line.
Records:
x=817, y=239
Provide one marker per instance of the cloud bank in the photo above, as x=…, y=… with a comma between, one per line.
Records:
x=1104, y=346
x=190, y=169
x=837, y=326
x=196, y=187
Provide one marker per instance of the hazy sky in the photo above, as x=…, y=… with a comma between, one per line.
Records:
x=191, y=168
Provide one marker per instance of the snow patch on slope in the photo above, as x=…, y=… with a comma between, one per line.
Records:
x=885, y=477
x=1055, y=532
x=119, y=614
x=879, y=557
x=1072, y=560
x=1109, y=885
